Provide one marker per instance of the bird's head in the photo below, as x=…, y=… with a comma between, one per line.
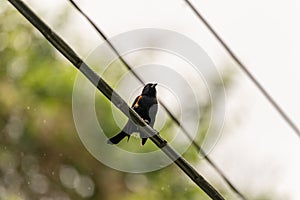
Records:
x=150, y=90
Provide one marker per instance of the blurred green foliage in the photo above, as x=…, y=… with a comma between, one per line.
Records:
x=39, y=145
x=41, y=156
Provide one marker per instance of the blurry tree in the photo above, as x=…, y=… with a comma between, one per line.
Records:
x=41, y=156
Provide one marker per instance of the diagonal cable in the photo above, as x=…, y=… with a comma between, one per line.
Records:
x=199, y=149
x=245, y=69
x=107, y=91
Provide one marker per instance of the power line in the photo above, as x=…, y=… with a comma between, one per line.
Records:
x=125, y=63
x=105, y=89
x=272, y=101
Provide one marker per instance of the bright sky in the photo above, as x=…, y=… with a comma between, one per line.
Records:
x=262, y=152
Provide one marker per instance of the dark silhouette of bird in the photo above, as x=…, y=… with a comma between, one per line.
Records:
x=146, y=106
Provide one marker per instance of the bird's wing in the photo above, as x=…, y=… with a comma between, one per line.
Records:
x=136, y=101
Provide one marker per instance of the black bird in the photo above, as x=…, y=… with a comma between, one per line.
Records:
x=146, y=106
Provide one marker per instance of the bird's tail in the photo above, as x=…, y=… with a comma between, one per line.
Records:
x=117, y=138
x=144, y=140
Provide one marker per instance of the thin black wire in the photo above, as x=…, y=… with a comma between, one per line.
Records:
x=199, y=149
x=272, y=101
x=107, y=91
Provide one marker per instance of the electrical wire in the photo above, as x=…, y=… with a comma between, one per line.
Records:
x=245, y=69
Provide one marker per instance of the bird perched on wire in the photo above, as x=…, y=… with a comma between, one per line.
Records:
x=146, y=106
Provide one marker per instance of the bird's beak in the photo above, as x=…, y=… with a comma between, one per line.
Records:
x=155, y=84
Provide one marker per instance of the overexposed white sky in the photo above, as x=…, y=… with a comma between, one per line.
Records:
x=261, y=152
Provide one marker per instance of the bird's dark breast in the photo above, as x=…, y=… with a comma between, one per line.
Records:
x=146, y=104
